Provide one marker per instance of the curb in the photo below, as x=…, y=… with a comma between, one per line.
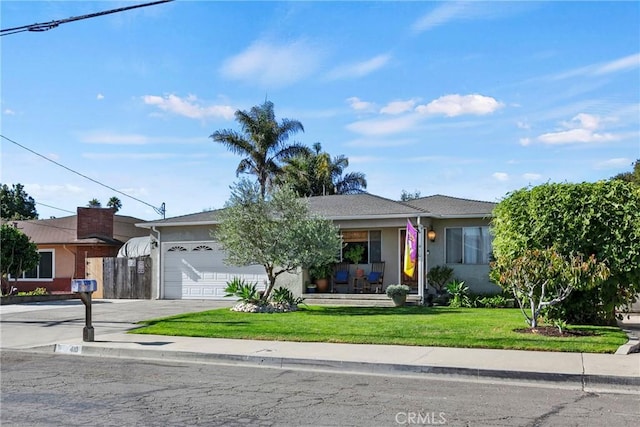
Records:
x=583, y=381
x=633, y=345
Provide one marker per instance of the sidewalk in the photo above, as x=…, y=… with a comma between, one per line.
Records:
x=594, y=372
x=57, y=327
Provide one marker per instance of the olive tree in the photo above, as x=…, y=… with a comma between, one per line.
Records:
x=542, y=278
x=18, y=253
x=277, y=232
x=600, y=219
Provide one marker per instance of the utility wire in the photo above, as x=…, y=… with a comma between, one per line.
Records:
x=46, y=26
x=160, y=211
x=53, y=207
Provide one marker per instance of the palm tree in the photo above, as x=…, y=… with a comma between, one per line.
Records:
x=114, y=203
x=94, y=203
x=262, y=142
x=315, y=173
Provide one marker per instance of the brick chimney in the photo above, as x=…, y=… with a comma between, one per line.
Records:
x=94, y=222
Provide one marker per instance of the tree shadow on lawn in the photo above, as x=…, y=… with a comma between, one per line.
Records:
x=374, y=311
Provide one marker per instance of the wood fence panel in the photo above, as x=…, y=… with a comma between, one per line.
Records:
x=127, y=278
x=93, y=270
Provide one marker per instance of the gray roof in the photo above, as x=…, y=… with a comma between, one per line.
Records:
x=200, y=218
x=361, y=206
x=451, y=207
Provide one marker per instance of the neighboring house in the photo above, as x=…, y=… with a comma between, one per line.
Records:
x=65, y=243
x=189, y=264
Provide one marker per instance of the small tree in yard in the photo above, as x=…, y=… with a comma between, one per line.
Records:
x=541, y=278
x=439, y=276
x=276, y=232
x=18, y=253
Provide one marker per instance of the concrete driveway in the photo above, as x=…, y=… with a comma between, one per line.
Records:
x=31, y=325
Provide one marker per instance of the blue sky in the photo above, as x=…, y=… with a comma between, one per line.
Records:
x=467, y=99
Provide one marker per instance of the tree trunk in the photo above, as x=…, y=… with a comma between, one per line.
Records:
x=534, y=314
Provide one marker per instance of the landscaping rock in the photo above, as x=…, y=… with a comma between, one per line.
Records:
x=271, y=307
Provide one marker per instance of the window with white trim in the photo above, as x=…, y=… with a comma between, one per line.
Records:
x=45, y=268
x=468, y=245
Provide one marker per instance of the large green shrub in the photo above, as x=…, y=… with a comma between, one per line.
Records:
x=600, y=219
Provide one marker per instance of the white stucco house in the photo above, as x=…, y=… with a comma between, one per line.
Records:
x=189, y=264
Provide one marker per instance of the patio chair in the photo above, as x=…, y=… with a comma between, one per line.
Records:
x=340, y=275
x=375, y=278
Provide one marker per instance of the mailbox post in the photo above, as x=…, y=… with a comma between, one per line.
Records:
x=84, y=288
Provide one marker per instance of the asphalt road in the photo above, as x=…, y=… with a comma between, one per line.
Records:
x=52, y=389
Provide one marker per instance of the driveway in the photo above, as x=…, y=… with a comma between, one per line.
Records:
x=36, y=324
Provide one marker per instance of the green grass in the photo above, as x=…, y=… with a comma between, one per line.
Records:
x=420, y=326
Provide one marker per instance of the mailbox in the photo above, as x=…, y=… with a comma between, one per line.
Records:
x=84, y=285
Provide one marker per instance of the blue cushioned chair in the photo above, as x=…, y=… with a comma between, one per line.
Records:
x=340, y=275
x=375, y=278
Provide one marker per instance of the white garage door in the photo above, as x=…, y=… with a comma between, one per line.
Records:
x=196, y=270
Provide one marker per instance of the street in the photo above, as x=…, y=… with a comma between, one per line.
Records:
x=51, y=389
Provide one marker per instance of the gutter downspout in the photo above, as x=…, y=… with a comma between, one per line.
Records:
x=159, y=288
x=421, y=259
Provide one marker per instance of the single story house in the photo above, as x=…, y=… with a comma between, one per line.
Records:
x=65, y=243
x=189, y=263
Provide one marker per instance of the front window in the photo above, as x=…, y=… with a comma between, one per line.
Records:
x=370, y=240
x=468, y=245
x=44, y=269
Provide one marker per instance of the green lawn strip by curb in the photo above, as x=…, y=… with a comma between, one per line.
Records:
x=419, y=326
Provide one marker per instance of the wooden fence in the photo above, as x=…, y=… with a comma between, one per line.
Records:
x=121, y=278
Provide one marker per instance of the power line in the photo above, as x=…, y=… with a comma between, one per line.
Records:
x=53, y=207
x=46, y=26
x=160, y=211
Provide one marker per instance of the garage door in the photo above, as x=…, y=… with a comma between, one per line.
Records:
x=196, y=270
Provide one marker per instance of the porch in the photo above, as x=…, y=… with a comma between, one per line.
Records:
x=367, y=300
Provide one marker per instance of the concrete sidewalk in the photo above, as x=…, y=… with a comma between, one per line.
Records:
x=593, y=372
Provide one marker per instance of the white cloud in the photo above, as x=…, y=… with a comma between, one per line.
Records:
x=621, y=64
x=523, y=125
x=114, y=138
x=457, y=105
x=102, y=137
x=272, y=65
x=359, y=69
x=398, y=107
x=142, y=156
x=616, y=163
x=450, y=11
x=525, y=141
x=384, y=142
x=580, y=129
x=359, y=105
x=99, y=96
x=532, y=176
x=439, y=16
x=627, y=63
x=190, y=107
x=501, y=176
x=575, y=135
x=383, y=127
x=584, y=121
x=9, y=112
x=46, y=191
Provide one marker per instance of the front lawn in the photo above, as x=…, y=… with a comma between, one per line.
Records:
x=421, y=326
